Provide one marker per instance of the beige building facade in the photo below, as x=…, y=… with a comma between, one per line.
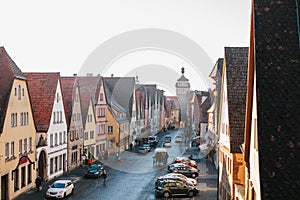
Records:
x=17, y=135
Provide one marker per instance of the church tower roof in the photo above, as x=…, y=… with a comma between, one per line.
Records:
x=182, y=78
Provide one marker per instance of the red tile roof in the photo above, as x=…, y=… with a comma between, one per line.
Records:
x=42, y=89
x=67, y=84
x=8, y=72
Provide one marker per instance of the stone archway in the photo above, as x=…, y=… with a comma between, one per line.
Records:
x=42, y=165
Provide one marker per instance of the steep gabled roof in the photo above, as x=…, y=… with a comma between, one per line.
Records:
x=217, y=69
x=89, y=87
x=67, y=85
x=277, y=64
x=182, y=78
x=111, y=101
x=236, y=59
x=122, y=89
x=8, y=72
x=42, y=90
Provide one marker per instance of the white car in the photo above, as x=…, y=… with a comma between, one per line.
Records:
x=60, y=189
x=178, y=138
x=153, y=139
x=190, y=181
x=167, y=144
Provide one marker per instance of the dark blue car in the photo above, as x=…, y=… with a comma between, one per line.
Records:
x=94, y=171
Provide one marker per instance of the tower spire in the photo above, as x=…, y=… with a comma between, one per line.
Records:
x=182, y=70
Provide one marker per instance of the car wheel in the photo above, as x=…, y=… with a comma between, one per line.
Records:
x=166, y=194
x=194, y=175
x=65, y=195
x=72, y=191
x=190, y=194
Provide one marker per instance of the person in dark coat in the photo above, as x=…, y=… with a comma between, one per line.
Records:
x=38, y=183
x=104, y=175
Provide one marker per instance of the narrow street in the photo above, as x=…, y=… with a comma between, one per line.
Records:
x=133, y=176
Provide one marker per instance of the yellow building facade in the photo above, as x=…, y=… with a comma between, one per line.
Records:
x=17, y=141
x=113, y=136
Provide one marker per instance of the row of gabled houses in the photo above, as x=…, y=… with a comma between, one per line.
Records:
x=254, y=118
x=50, y=124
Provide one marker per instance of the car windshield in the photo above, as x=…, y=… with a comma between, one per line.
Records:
x=58, y=185
x=151, y=138
x=93, y=168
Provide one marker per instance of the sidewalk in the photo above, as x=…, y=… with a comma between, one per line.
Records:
x=75, y=175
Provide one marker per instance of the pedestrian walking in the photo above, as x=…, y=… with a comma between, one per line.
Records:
x=90, y=161
x=104, y=175
x=38, y=183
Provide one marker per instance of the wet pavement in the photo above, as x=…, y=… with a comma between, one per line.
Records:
x=132, y=177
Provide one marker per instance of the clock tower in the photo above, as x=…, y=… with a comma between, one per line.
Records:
x=183, y=93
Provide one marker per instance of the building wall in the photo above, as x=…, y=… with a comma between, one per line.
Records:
x=225, y=173
x=124, y=136
x=75, y=135
x=57, y=128
x=112, y=138
x=15, y=134
x=225, y=157
x=90, y=129
x=238, y=169
x=101, y=121
x=133, y=120
x=254, y=181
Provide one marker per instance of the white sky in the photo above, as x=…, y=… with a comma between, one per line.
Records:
x=59, y=35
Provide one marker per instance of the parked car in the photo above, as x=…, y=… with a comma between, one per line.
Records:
x=153, y=140
x=143, y=149
x=60, y=189
x=175, y=176
x=183, y=169
x=147, y=146
x=186, y=161
x=178, y=138
x=94, y=171
x=170, y=188
x=167, y=138
x=167, y=144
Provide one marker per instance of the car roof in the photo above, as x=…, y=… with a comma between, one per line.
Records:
x=62, y=181
x=179, y=164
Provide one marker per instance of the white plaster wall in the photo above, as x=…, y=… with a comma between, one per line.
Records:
x=52, y=152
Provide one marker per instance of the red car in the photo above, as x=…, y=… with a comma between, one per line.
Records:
x=186, y=161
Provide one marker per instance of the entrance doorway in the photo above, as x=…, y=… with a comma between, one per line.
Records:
x=4, y=187
x=42, y=166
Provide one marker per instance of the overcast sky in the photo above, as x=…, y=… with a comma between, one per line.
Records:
x=60, y=35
